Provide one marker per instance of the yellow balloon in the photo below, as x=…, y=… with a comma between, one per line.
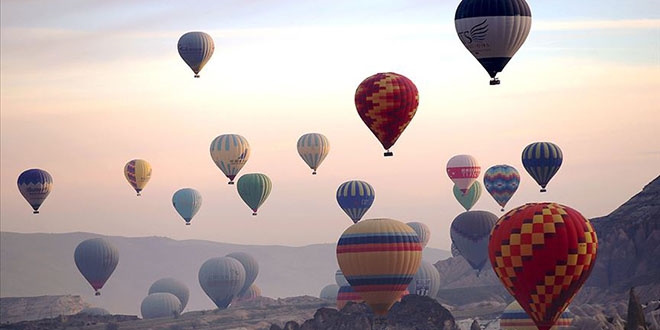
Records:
x=379, y=258
x=138, y=173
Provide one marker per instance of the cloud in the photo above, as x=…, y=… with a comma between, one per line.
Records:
x=635, y=24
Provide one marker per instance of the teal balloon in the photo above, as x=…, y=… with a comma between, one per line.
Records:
x=470, y=197
x=187, y=202
x=254, y=189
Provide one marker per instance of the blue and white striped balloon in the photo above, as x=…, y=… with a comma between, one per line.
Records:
x=355, y=197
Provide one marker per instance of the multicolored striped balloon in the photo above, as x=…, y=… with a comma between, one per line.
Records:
x=470, y=197
x=387, y=102
x=35, y=185
x=542, y=254
x=463, y=170
x=137, y=173
x=379, y=258
x=254, y=189
x=355, y=197
x=230, y=152
x=542, y=161
x=470, y=232
x=313, y=148
x=514, y=317
x=501, y=182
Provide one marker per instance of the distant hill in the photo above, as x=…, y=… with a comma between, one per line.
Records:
x=628, y=256
x=42, y=264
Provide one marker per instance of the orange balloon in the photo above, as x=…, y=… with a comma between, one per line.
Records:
x=543, y=253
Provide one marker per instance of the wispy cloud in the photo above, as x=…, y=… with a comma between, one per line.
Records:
x=643, y=24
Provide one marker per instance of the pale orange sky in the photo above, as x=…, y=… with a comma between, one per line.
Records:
x=82, y=96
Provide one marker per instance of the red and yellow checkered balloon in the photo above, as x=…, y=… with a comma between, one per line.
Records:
x=387, y=102
x=543, y=253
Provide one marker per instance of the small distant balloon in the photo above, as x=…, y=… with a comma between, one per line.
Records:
x=35, y=185
x=463, y=170
x=138, y=173
x=355, y=197
x=470, y=232
x=230, y=152
x=196, y=49
x=329, y=292
x=542, y=161
x=221, y=278
x=161, y=304
x=501, y=182
x=469, y=198
x=423, y=232
x=96, y=260
x=313, y=148
x=173, y=286
x=187, y=202
x=254, y=189
x=387, y=102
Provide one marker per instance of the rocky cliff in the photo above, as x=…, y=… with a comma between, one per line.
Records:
x=35, y=308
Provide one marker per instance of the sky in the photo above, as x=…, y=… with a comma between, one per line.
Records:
x=86, y=86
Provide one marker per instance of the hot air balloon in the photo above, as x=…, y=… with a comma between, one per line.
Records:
x=387, y=102
x=542, y=161
x=251, y=267
x=379, y=258
x=329, y=292
x=173, y=286
x=96, y=260
x=470, y=232
x=254, y=189
x=423, y=232
x=355, y=197
x=469, y=198
x=515, y=318
x=187, y=202
x=161, y=304
x=493, y=31
x=542, y=254
x=196, y=48
x=313, y=148
x=345, y=295
x=251, y=293
x=463, y=170
x=230, y=152
x=501, y=182
x=35, y=185
x=138, y=173
x=426, y=281
x=221, y=279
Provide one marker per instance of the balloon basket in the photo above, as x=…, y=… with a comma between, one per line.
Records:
x=502, y=210
x=494, y=82
x=543, y=190
x=254, y=213
x=230, y=182
x=314, y=173
x=388, y=154
x=97, y=293
x=35, y=212
x=187, y=223
x=196, y=76
x=138, y=194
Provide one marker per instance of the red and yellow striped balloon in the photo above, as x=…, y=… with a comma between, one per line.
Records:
x=387, y=102
x=543, y=253
x=379, y=258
